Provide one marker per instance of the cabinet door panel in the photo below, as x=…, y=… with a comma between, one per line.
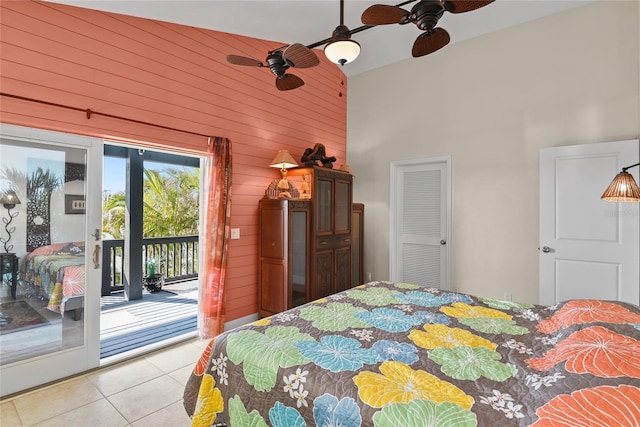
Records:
x=343, y=206
x=299, y=257
x=323, y=274
x=343, y=269
x=324, y=206
x=273, y=298
x=272, y=222
x=284, y=255
x=357, y=244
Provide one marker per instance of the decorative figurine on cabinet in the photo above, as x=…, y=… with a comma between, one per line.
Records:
x=312, y=156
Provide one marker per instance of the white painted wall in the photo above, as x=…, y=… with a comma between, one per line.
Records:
x=492, y=103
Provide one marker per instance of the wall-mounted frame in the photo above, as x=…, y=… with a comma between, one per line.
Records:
x=74, y=171
x=74, y=204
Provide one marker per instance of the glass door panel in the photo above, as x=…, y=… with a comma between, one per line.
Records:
x=343, y=206
x=50, y=187
x=299, y=255
x=324, y=208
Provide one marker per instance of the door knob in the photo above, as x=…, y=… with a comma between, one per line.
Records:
x=546, y=249
x=443, y=242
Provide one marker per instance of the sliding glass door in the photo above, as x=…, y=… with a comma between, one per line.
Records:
x=50, y=252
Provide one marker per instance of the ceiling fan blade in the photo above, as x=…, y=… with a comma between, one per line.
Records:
x=427, y=43
x=288, y=82
x=382, y=14
x=300, y=56
x=460, y=6
x=243, y=60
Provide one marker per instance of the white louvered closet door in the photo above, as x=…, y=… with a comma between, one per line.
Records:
x=420, y=223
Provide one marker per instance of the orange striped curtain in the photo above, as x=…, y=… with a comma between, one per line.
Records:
x=215, y=236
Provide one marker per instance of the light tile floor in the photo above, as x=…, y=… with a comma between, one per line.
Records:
x=146, y=391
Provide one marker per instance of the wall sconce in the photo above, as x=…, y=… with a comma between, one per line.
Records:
x=284, y=161
x=9, y=200
x=623, y=188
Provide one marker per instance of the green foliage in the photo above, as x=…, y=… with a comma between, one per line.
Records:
x=113, y=215
x=170, y=204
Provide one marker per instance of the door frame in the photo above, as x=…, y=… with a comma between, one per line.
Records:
x=396, y=167
x=35, y=371
x=135, y=157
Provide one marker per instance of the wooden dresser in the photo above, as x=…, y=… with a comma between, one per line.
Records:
x=305, y=246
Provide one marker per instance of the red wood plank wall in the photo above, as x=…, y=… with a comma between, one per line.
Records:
x=176, y=76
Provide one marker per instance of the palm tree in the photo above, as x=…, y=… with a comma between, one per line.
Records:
x=171, y=205
x=39, y=187
x=113, y=214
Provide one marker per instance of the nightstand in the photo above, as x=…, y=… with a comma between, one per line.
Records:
x=9, y=264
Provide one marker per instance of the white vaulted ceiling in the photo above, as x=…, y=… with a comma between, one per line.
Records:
x=309, y=21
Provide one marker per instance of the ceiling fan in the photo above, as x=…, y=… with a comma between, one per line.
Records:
x=425, y=15
x=279, y=61
x=341, y=49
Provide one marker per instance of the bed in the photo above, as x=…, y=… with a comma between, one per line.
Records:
x=396, y=354
x=57, y=273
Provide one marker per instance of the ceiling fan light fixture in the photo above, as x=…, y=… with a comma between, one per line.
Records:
x=342, y=51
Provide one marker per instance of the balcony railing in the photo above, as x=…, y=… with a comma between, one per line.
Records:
x=179, y=257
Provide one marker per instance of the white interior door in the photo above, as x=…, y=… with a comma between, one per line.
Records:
x=589, y=248
x=50, y=321
x=420, y=218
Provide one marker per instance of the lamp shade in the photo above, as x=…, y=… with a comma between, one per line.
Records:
x=283, y=160
x=9, y=198
x=342, y=51
x=623, y=188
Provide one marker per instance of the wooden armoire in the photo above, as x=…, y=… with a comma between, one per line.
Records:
x=305, y=246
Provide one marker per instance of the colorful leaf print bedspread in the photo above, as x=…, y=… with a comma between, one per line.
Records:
x=401, y=355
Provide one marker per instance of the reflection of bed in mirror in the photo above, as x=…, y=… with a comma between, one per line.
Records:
x=57, y=273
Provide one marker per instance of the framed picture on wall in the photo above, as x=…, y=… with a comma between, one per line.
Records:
x=74, y=204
